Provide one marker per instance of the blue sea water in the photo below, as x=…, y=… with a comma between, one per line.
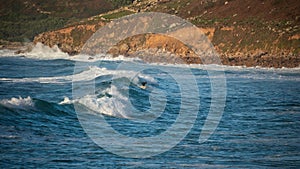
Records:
x=40, y=128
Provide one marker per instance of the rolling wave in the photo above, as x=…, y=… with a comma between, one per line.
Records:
x=31, y=105
x=91, y=73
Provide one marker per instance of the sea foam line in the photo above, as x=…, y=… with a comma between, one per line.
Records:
x=87, y=75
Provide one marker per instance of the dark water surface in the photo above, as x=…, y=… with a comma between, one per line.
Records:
x=259, y=129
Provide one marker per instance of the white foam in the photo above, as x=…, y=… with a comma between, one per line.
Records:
x=115, y=102
x=19, y=103
x=104, y=105
x=40, y=51
x=43, y=52
x=116, y=105
x=7, y=53
x=87, y=75
x=111, y=58
x=66, y=101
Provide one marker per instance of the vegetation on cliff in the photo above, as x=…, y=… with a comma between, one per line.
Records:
x=21, y=20
x=244, y=32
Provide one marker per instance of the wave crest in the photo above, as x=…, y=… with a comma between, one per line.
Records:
x=18, y=103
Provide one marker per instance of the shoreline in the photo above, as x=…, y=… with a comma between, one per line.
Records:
x=263, y=60
x=18, y=47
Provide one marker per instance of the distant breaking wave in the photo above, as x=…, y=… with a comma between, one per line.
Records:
x=28, y=104
x=43, y=52
x=86, y=75
x=18, y=103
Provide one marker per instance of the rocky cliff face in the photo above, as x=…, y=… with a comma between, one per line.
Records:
x=70, y=39
x=155, y=48
x=239, y=40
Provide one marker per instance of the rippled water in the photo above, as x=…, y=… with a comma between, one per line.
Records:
x=40, y=128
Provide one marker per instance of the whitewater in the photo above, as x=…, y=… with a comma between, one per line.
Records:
x=40, y=125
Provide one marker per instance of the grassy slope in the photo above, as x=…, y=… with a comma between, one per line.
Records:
x=268, y=25
x=263, y=25
x=21, y=20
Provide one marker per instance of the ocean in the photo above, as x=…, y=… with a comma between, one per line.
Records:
x=58, y=111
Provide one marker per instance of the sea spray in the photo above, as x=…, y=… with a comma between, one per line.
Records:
x=40, y=51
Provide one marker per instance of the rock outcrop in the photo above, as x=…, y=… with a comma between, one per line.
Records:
x=70, y=39
x=155, y=48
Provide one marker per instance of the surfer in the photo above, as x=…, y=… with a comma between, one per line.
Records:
x=143, y=86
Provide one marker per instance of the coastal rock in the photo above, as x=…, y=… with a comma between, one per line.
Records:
x=155, y=48
x=70, y=39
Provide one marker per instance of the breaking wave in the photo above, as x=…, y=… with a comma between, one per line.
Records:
x=28, y=104
x=18, y=103
x=40, y=51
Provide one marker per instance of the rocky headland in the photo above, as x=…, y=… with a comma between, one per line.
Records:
x=243, y=32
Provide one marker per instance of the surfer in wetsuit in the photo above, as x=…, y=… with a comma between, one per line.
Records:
x=143, y=86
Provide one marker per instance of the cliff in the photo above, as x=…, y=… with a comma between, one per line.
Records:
x=244, y=32
x=70, y=39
